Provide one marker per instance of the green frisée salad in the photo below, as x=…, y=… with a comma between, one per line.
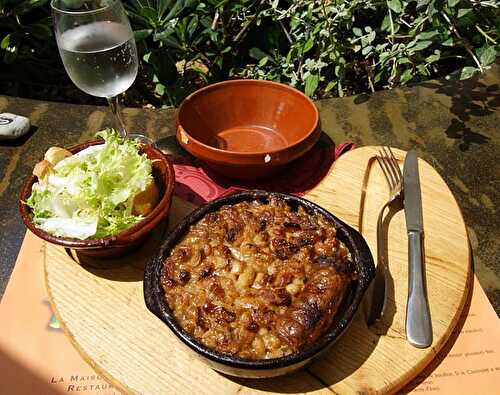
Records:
x=91, y=194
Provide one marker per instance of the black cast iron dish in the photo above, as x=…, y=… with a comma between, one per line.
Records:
x=155, y=301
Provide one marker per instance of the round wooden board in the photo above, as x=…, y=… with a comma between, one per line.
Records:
x=103, y=312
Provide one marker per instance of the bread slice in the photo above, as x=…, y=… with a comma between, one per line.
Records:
x=145, y=201
x=56, y=154
x=41, y=170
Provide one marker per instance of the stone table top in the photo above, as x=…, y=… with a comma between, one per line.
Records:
x=453, y=125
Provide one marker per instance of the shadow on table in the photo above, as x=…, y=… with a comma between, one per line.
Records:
x=299, y=382
x=469, y=98
x=170, y=145
x=18, y=377
x=126, y=268
x=381, y=327
x=20, y=140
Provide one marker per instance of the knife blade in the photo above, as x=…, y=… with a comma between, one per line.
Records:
x=418, y=320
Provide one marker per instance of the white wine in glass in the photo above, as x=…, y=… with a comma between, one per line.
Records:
x=98, y=49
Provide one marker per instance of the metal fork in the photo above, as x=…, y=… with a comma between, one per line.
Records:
x=392, y=173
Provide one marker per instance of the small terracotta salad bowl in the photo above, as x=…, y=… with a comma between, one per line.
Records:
x=247, y=129
x=163, y=174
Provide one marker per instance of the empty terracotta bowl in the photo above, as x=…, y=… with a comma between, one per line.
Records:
x=163, y=173
x=247, y=129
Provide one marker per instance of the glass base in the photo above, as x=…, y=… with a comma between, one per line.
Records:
x=143, y=139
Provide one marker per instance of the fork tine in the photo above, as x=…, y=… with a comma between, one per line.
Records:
x=396, y=165
x=390, y=164
x=382, y=162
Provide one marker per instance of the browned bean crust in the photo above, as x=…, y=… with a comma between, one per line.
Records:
x=257, y=280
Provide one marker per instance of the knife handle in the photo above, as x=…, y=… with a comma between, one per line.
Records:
x=418, y=318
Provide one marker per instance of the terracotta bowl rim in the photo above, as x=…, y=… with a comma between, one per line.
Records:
x=123, y=239
x=222, y=84
x=155, y=302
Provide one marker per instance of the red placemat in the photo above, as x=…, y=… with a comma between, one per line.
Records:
x=196, y=183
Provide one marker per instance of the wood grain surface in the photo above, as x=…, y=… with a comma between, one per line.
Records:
x=101, y=307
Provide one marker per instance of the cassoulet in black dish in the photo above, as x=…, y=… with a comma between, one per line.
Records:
x=258, y=283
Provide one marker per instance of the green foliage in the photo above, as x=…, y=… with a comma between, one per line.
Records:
x=188, y=43
x=27, y=47
x=353, y=46
x=323, y=47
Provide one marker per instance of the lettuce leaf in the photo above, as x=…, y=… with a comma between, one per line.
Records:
x=90, y=194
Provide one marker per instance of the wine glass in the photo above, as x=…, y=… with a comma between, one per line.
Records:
x=98, y=50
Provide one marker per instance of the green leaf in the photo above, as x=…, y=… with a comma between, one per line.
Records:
x=163, y=5
x=193, y=24
x=421, y=45
x=394, y=5
x=330, y=86
x=312, y=82
x=467, y=72
x=142, y=34
x=453, y=3
x=427, y=35
x=167, y=38
x=448, y=43
x=181, y=29
x=421, y=3
x=406, y=76
x=463, y=11
x=160, y=89
x=386, y=24
x=178, y=7
x=27, y=6
x=488, y=56
x=422, y=69
x=257, y=53
x=434, y=57
x=163, y=65
x=5, y=42
x=367, y=50
x=357, y=31
x=385, y=56
x=371, y=36
x=263, y=61
x=12, y=49
x=308, y=45
x=150, y=15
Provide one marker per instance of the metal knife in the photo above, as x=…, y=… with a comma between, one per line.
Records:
x=418, y=319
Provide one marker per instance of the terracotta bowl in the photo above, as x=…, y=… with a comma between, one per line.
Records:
x=163, y=173
x=247, y=129
x=235, y=366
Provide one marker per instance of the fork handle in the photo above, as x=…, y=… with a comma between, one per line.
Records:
x=418, y=319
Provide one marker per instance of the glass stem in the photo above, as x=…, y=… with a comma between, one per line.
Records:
x=114, y=105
